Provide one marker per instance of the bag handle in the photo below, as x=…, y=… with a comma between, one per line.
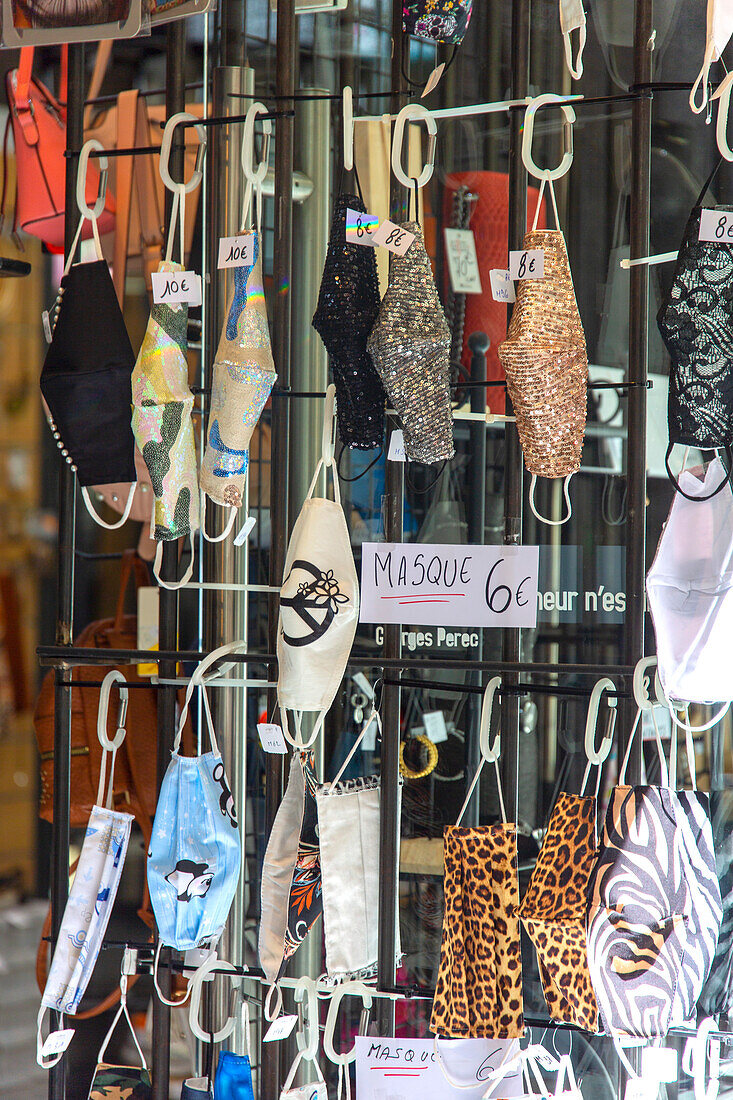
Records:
x=23, y=84
x=689, y=496
x=127, y=130
x=131, y=562
x=101, y=64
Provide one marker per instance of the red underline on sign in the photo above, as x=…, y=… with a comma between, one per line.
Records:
x=406, y=596
x=403, y=1069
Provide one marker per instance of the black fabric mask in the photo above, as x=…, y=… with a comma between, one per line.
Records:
x=348, y=305
x=86, y=378
x=696, y=323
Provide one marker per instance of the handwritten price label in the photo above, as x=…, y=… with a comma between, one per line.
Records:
x=393, y=237
x=527, y=264
x=502, y=287
x=236, y=251
x=57, y=1042
x=280, y=1029
x=716, y=226
x=396, y=452
x=177, y=288
x=271, y=737
x=463, y=269
x=361, y=227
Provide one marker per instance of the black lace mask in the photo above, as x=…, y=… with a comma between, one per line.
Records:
x=86, y=378
x=696, y=323
x=348, y=305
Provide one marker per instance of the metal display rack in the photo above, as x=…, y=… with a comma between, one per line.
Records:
x=64, y=656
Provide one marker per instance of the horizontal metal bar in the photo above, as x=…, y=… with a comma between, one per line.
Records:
x=216, y=682
x=72, y=656
x=513, y=689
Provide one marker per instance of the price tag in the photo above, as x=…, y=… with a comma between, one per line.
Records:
x=716, y=226
x=460, y=247
x=393, y=238
x=435, y=728
x=433, y=80
x=177, y=288
x=280, y=1028
x=502, y=287
x=527, y=264
x=360, y=227
x=271, y=737
x=369, y=743
x=47, y=326
x=641, y=1088
x=546, y=1060
x=57, y=1042
x=236, y=251
x=659, y=1064
x=396, y=452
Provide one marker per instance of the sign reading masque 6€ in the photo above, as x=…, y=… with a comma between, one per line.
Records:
x=449, y=585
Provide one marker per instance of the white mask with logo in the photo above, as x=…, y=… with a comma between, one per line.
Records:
x=319, y=601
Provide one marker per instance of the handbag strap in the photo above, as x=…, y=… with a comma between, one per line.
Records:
x=689, y=496
x=127, y=111
x=23, y=84
x=131, y=562
x=101, y=64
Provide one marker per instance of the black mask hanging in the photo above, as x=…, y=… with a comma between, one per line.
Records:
x=348, y=305
x=86, y=378
x=696, y=323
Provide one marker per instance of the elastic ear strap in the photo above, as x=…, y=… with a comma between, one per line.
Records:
x=566, y=493
x=575, y=70
x=689, y=496
x=122, y=1011
x=271, y=1015
x=198, y=679
x=164, y=1000
x=209, y=720
x=627, y=754
x=44, y=1063
x=103, y=523
x=373, y=717
x=543, y=181
x=702, y=80
x=706, y=725
x=470, y=791
x=172, y=586
x=227, y=529
x=72, y=250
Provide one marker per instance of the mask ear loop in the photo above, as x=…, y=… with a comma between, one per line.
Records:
x=172, y=586
x=373, y=717
x=568, y=505
x=164, y=1000
x=227, y=530
x=103, y=522
x=489, y=753
x=127, y=962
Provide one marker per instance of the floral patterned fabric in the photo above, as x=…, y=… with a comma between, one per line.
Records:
x=306, y=900
x=437, y=20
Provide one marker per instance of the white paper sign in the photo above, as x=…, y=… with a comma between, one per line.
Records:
x=715, y=225
x=527, y=264
x=502, y=287
x=271, y=737
x=435, y=727
x=361, y=227
x=641, y=1088
x=408, y=1069
x=460, y=248
x=393, y=237
x=280, y=1028
x=448, y=585
x=57, y=1042
x=177, y=287
x=236, y=251
x=659, y=1063
x=396, y=452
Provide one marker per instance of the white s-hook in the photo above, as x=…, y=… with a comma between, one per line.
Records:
x=694, y=1060
x=348, y=114
x=722, y=94
x=346, y=989
x=165, y=153
x=593, y=755
x=492, y=752
x=255, y=176
x=92, y=213
x=642, y=683
x=407, y=114
x=529, y=119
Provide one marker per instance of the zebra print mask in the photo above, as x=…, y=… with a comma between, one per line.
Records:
x=654, y=911
x=717, y=994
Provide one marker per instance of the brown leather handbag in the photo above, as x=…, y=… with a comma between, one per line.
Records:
x=135, y=769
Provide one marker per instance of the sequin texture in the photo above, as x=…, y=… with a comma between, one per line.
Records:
x=348, y=305
x=546, y=363
x=243, y=377
x=409, y=346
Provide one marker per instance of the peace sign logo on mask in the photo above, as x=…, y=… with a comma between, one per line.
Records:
x=315, y=602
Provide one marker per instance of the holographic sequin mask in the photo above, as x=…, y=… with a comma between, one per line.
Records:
x=409, y=346
x=546, y=364
x=244, y=374
x=348, y=306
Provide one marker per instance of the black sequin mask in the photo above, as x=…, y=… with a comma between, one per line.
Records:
x=348, y=305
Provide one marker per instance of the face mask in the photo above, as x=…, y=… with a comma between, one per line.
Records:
x=90, y=901
x=478, y=994
x=654, y=907
x=291, y=872
x=316, y=1090
x=243, y=377
x=197, y=1088
x=195, y=847
x=233, y=1077
x=445, y=22
x=546, y=364
x=129, y=1081
x=348, y=832
x=695, y=323
x=161, y=416
x=348, y=306
x=717, y=993
x=719, y=31
x=409, y=346
x=689, y=593
x=319, y=602
x=86, y=375
x=572, y=18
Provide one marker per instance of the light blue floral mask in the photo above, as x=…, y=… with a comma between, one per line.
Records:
x=195, y=847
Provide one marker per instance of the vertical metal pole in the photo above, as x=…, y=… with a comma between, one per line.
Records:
x=225, y=613
x=479, y=343
x=65, y=586
x=168, y=611
x=641, y=129
x=514, y=460
x=392, y=506
x=286, y=45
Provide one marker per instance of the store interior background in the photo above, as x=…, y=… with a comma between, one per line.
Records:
x=352, y=46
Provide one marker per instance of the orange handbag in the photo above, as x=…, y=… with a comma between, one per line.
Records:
x=39, y=133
